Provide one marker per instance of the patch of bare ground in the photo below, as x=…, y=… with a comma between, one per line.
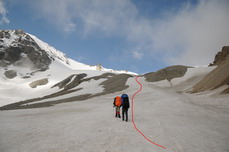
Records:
x=114, y=83
x=167, y=73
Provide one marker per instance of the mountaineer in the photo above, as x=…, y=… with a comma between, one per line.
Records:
x=125, y=106
x=117, y=103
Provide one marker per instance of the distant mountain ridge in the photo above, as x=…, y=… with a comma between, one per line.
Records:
x=16, y=42
x=19, y=49
x=38, y=75
x=35, y=71
x=23, y=50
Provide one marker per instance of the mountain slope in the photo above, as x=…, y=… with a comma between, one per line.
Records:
x=215, y=79
x=163, y=110
x=167, y=73
x=219, y=76
x=39, y=75
x=171, y=119
x=30, y=68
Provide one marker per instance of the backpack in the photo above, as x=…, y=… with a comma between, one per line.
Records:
x=124, y=95
x=125, y=101
x=118, y=101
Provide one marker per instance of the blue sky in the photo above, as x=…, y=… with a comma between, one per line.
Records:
x=135, y=35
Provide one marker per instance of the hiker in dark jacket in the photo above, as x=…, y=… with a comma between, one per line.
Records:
x=117, y=104
x=125, y=106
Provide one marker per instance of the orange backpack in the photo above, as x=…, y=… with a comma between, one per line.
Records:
x=118, y=101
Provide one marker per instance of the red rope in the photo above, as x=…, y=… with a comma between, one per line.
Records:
x=136, y=79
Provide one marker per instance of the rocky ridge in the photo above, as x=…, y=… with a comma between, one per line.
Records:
x=113, y=83
x=221, y=56
x=219, y=76
x=167, y=73
x=19, y=49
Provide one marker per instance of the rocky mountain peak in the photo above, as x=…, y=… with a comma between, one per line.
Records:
x=19, y=49
x=221, y=56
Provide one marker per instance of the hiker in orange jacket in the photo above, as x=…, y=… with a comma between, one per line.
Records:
x=117, y=103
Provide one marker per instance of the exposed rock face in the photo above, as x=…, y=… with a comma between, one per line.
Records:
x=226, y=91
x=166, y=73
x=15, y=46
x=10, y=74
x=219, y=76
x=221, y=56
x=113, y=83
x=39, y=83
x=99, y=67
x=71, y=81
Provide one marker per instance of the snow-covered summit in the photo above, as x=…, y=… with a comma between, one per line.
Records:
x=70, y=62
x=27, y=62
x=53, y=53
x=18, y=39
x=23, y=54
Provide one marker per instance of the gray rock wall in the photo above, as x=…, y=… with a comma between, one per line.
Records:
x=39, y=83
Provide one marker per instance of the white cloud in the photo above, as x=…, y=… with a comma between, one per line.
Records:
x=3, y=12
x=69, y=27
x=194, y=34
x=58, y=13
x=91, y=15
x=190, y=36
x=137, y=55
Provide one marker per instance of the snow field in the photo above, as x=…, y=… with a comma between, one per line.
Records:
x=21, y=90
x=17, y=89
x=163, y=111
x=81, y=126
x=172, y=120
x=167, y=117
x=164, y=116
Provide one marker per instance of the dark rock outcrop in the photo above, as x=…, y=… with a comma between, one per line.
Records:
x=68, y=83
x=113, y=83
x=10, y=74
x=16, y=45
x=217, y=77
x=221, y=56
x=39, y=83
x=167, y=73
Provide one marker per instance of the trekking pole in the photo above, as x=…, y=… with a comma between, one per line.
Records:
x=113, y=111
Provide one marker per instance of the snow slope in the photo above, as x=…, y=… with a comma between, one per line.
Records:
x=22, y=91
x=165, y=116
x=164, y=112
x=71, y=63
x=60, y=68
